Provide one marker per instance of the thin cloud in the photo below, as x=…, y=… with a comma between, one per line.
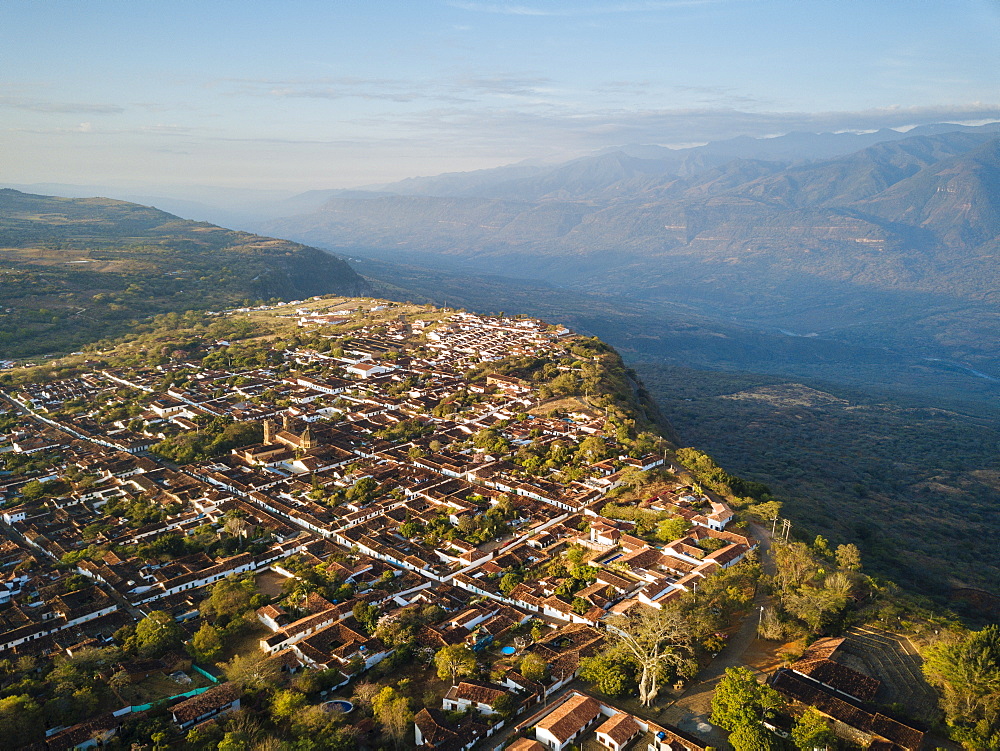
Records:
x=292, y=92
x=504, y=85
x=62, y=108
x=457, y=91
x=557, y=131
x=333, y=88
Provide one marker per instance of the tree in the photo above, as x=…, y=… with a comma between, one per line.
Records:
x=591, y=449
x=206, y=643
x=393, y=713
x=252, y=671
x=155, y=634
x=794, y=563
x=655, y=639
x=534, y=668
x=229, y=597
x=453, y=661
x=363, y=491
x=367, y=615
x=20, y=721
x=752, y=738
x=671, y=529
x=33, y=490
x=508, y=582
x=811, y=732
x=740, y=700
x=118, y=681
x=817, y=606
x=285, y=705
x=768, y=511
x=504, y=705
x=634, y=478
x=849, y=557
x=967, y=669
x=606, y=672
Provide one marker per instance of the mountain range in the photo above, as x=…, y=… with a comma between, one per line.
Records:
x=894, y=242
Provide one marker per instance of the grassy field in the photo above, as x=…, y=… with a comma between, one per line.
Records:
x=160, y=686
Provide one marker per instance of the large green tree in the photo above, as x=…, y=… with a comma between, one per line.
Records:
x=254, y=671
x=753, y=738
x=206, y=644
x=967, y=670
x=155, y=634
x=741, y=700
x=811, y=732
x=453, y=661
x=533, y=667
x=610, y=672
x=393, y=713
x=229, y=598
x=20, y=721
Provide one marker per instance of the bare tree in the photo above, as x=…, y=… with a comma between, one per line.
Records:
x=236, y=526
x=654, y=638
x=365, y=692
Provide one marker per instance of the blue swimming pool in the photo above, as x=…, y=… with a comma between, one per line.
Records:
x=508, y=650
x=341, y=706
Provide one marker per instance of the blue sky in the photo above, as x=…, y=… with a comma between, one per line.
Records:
x=297, y=95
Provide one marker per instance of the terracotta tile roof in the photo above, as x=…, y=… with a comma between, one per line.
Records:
x=809, y=692
x=214, y=699
x=620, y=728
x=526, y=744
x=474, y=691
x=817, y=663
x=568, y=718
x=840, y=677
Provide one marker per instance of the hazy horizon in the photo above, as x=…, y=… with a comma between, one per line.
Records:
x=310, y=95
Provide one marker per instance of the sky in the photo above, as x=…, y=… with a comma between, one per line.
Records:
x=296, y=94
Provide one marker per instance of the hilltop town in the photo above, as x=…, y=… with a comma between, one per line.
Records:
x=389, y=523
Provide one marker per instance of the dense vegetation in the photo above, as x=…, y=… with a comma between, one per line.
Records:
x=915, y=487
x=75, y=270
x=966, y=667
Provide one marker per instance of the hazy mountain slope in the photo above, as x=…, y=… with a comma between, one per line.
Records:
x=79, y=269
x=533, y=181
x=896, y=242
x=858, y=176
x=957, y=199
x=854, y=219
x=474, y=183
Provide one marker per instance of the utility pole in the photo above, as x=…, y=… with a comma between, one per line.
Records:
x=786, y=528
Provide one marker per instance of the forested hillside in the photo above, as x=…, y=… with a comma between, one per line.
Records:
x=77, y=270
